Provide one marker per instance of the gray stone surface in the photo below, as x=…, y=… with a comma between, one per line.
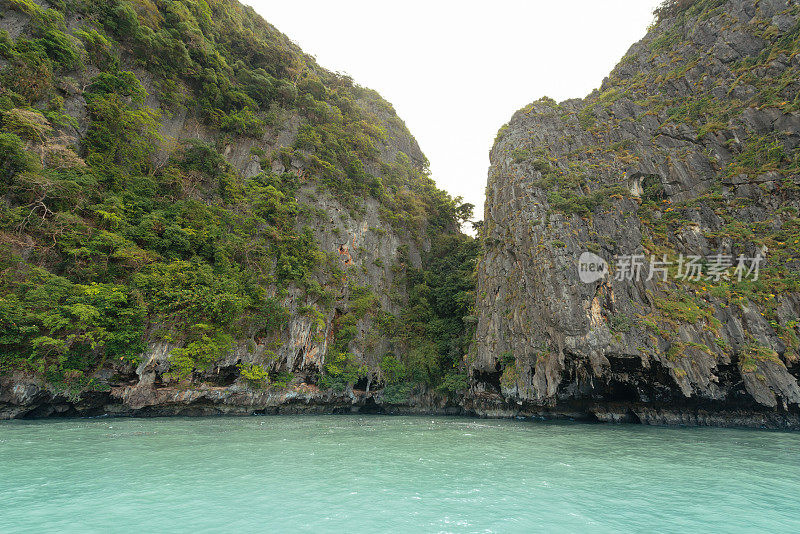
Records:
x=551, y=345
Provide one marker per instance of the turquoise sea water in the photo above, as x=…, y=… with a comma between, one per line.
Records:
x=392, y=474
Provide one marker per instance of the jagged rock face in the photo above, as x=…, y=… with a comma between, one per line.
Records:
x=689, y=147
x=366, y=248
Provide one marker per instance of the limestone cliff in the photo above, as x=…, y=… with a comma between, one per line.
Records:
x=195, y=217
x=690, y=148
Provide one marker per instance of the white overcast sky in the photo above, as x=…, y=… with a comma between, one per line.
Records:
x=456, y=71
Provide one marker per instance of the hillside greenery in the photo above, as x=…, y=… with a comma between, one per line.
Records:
x=119, y=236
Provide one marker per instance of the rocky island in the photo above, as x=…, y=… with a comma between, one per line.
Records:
x=199, y=219
x=689, y=149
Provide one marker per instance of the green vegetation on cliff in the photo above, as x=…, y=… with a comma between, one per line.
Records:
x=113, y=233
x=439, y=321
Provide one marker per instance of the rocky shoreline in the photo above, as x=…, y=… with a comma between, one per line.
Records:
x=32, y=399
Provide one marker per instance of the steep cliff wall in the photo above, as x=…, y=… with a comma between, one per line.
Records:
x=689, y=148
x=195, y=217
